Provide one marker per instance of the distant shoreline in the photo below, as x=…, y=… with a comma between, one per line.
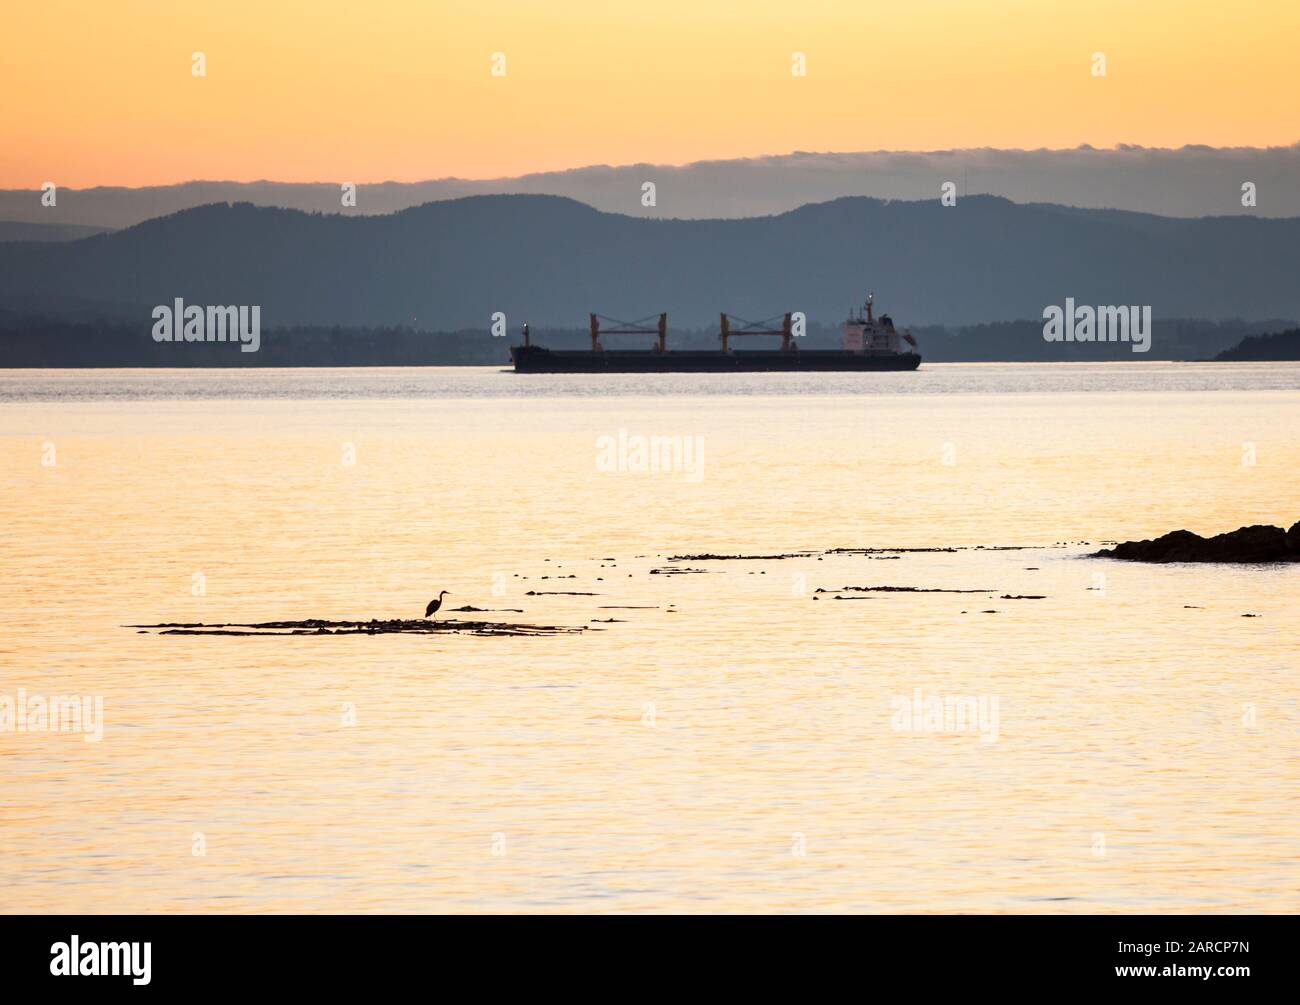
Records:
x=505, y=367
x=43, y=341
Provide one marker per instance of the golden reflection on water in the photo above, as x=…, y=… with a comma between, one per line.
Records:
x=727, y=745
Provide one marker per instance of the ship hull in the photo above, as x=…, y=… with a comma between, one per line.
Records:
x=535, y=359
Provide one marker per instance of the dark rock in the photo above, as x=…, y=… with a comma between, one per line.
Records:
x=1259, y=543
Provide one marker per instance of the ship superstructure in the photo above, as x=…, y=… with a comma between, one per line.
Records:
x=862, y=333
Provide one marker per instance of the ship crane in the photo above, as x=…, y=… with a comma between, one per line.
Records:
x=733, y=326
x=639, y=327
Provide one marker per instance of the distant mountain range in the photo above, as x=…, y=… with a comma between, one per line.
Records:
x=10, y=231
x=1190, y=181
x=451, y=265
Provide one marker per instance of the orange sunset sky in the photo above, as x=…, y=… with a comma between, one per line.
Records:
x=103, y=94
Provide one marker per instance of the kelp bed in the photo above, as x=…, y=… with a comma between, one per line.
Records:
x=318, y=626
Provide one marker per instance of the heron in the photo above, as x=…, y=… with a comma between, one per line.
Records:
x=435, y=604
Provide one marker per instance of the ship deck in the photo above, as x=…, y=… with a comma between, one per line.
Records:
x=535, y=359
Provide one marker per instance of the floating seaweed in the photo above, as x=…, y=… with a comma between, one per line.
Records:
x=884, y=551
x=708, y=557
x=318, y=626
x=896, y=589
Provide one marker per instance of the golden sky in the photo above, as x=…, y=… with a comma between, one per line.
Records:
x=101, y=93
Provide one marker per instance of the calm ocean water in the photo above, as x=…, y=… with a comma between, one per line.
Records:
x=733, y=739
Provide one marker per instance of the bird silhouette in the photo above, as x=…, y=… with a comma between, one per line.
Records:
x=434, y=605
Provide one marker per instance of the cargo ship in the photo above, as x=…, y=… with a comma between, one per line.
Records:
x=867, y=343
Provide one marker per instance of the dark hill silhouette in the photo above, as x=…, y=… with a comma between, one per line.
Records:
x=550, y=260
x=1257, y=348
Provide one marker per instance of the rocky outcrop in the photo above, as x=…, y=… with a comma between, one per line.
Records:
x=1260, y=543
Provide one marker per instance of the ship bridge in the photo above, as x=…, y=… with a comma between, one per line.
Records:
x=862, y=332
